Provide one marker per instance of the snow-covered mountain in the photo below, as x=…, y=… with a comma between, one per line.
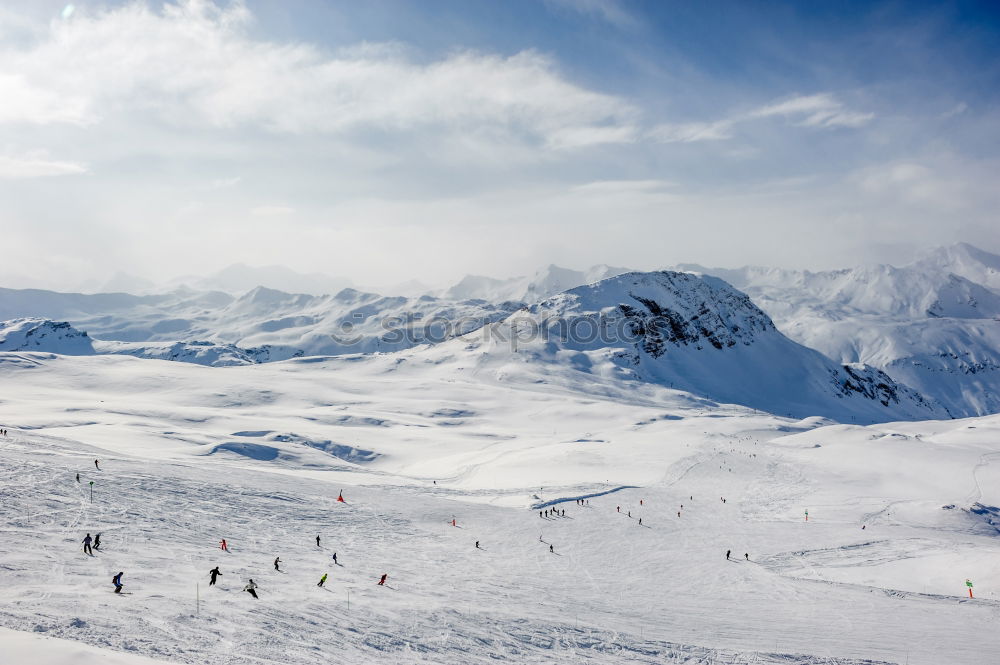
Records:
x=964, y=260
x=240, y=278
x=700, y=335
x=544, y=283
x=691, y=333
x=40, y=335
x=927, y=324
x=43, y=335
x=287, y=324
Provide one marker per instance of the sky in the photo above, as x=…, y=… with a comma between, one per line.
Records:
x=386, y=140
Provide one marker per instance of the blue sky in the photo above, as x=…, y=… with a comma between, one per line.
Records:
x=386, y=141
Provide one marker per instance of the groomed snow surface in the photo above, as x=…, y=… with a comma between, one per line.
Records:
x=258, y=454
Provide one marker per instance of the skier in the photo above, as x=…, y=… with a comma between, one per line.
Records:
x=251, y=588
x=747, y=555
x=727, y=554
x=640, y=521
x=117, y=581
x=539, y=513
x=551, y=550
x=223, y=546
x=382, y=580
x=335, y=559
x=98, y=466
x=640, y=502
x=619, y=509
x=97, y=542
x=277, y=560
x=477, y=544
x=317, y=541
x=322, y=580
x=215, y=572
x=78, y=477
x=630, y=513
x=86, y=545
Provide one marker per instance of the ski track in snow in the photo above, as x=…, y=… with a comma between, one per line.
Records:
x=588, y=603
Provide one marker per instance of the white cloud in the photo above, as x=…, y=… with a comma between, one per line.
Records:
x=619, y=186
x=610, y=11
x=820, y=110
x=194, y=64
x=690, y=132
x=957, y=109
x=37, y=165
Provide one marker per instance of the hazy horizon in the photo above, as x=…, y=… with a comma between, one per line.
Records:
x=390, y=141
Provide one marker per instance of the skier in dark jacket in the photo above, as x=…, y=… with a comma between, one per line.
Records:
x=97, y=465
x=317, y=541
x=277, y=560
x=78, y=477
x=381, y=581
x=117, y=581
x=215, y=572
x=728, y=552
x=335, y=559
x=97, y=542
x=86, y=545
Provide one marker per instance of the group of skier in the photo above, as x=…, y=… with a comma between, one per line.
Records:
x=91, y=544
x=251, y=586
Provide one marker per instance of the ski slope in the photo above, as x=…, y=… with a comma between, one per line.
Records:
x=257, y=455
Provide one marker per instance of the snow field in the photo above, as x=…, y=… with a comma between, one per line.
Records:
x=613, y=591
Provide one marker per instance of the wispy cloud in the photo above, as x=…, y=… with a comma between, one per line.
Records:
x=610, y=11
x=37, y=165
x=690, y=132
x=820, y=110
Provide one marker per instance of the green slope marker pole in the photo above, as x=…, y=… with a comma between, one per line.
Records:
x=92, y=491
x=968, y=583
x=807, y=515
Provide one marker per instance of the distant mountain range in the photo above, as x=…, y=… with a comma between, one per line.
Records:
x=933, y=325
